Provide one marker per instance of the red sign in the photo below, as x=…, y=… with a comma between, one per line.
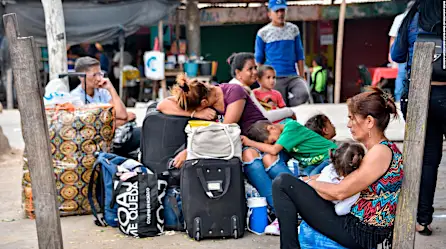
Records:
x=325, y=27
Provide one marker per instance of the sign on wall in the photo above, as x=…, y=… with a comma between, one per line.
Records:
x=154, y=65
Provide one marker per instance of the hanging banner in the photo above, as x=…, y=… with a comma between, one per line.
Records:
x=154, y=65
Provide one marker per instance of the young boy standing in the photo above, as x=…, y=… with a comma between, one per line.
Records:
x=279, y=45
x=310, y=149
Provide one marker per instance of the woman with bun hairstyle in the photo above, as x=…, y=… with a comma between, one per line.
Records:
x=233, y=103
x=244, y=73
x=378, y=180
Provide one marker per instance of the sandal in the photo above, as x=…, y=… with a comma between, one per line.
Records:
x=425, y=231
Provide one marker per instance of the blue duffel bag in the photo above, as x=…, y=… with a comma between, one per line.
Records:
x=311, y=239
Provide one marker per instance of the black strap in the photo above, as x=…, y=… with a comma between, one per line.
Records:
x=99, y=220
x=205, y=186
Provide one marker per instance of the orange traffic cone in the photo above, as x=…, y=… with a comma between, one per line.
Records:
x=156, y=46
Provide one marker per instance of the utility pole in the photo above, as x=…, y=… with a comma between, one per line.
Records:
x=56, y=38
x=339, y=46
x=193, y=27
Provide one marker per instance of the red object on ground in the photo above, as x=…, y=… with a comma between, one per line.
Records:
x=379, y=73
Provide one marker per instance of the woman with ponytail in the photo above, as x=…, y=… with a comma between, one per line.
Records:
x=425, y=17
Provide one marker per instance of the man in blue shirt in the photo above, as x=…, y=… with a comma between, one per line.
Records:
x=97, y=90
x=279, y=45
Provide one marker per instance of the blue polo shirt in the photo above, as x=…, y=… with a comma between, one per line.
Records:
x=101, y=96
x=279, y=47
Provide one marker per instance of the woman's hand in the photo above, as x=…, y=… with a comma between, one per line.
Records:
x=246, y=141
x=206, y=114
x=179, y=159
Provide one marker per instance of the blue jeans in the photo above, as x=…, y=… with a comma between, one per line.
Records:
x=399, y=82
x=262, y=179
x=315, y=169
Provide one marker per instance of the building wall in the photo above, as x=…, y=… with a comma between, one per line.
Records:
x=366, y=41
x=219, y=42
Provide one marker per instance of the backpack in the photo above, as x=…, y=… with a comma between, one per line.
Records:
x=101, y=183
x=435, y=36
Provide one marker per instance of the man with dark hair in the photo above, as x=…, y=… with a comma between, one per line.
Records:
x=96, y=90
x=279, y=45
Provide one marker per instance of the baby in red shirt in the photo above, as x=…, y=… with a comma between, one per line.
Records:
x=267, y=96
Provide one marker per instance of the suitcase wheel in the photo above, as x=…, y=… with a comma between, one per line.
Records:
x=197, y=236
x=235, y=226
x=196, y=229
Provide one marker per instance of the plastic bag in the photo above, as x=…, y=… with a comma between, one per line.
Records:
x=57, y=92
x=309, y=238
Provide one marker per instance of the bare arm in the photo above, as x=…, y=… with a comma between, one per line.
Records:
x=300, y=67
x=234, y=112
x=374, y=165
x=392, y=40
x=272, y=115
x=121, y=111
x=169, y=106
x=272, y=149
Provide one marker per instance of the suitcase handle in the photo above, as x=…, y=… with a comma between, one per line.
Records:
x=205, y=186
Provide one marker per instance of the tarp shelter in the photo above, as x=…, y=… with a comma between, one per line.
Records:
x=92, y=22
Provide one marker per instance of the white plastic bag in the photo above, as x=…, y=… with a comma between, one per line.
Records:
x=57, y=92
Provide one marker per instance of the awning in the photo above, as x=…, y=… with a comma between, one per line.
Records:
x=88, y=22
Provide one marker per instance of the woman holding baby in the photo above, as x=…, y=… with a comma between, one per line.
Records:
x=377, y=179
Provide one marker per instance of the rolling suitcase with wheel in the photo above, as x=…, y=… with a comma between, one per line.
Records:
x=213, y=198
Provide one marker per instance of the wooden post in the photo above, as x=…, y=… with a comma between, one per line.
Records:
x=193, y=27
x=339, y=47
x=161, y=42
x=9, y=89
x=56, y=38
x=404, y=231
x=35, y=134
x=121, y=64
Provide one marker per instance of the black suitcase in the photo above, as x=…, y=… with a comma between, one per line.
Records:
x=213, y=196
x=161, y=137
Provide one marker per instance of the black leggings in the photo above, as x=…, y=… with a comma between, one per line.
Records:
x=292, y=196
x=433, y=151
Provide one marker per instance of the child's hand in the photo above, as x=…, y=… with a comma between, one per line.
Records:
x=246, y=141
